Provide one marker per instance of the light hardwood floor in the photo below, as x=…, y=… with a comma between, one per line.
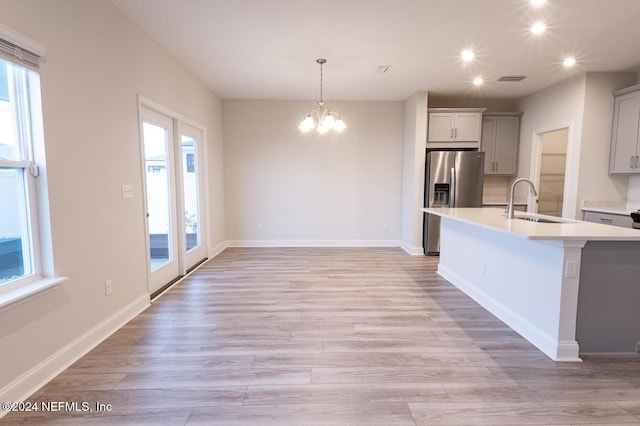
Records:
x=298, y=336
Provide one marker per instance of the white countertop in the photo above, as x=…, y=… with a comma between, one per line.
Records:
x=611, y=207
x=495, y=219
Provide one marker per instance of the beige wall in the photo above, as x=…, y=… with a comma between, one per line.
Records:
x=584, y=104
x=96, y=63
x=413, y=169
x=286, y=187
x=555, y=107
x=594, y=180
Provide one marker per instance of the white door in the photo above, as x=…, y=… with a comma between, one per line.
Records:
x=161, y=207
x=191, y=149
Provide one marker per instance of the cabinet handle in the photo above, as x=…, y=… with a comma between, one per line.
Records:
x=632, y=162
x=496, y=166
x=455, y=132
x=604, y=219
x=637, y=161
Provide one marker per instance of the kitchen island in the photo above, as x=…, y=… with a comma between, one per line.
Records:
x=568, y=288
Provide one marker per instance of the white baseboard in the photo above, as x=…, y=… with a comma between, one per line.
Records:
x=28, y=383
x=554, y=349
x=219, y=248
x=313, y=243
x=413, y=251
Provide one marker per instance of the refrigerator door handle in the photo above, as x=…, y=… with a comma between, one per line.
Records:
x=452, y=194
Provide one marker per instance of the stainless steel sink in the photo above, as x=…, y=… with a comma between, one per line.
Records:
x=539, y=219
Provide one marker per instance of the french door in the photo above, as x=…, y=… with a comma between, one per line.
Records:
x=192, y=194
x=173, y=179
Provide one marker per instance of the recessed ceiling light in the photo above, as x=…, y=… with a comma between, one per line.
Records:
x=468, y=55
x=478, y=81
x=538, y=28
x=537, y=3
x=569, y=62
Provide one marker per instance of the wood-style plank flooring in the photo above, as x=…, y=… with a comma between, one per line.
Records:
x=297, y=336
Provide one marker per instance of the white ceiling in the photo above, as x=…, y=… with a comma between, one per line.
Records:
x=266, y=49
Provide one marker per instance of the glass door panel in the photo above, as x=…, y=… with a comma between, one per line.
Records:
x=162, y=231
x=158, y=208
x=190, y=192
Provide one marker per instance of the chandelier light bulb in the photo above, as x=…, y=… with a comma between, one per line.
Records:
x=329, y=121
x=569, y=62
x=307, y=124
x=339, y=126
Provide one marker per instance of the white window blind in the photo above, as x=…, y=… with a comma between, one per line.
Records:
x=18, y=49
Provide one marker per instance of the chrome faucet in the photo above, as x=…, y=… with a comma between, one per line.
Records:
x=513, y=189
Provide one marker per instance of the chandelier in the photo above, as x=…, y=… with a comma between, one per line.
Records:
x=322, y=120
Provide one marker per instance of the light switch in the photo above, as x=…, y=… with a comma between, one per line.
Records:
x=127, y=191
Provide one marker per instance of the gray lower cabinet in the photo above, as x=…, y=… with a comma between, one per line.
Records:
x=608, y=219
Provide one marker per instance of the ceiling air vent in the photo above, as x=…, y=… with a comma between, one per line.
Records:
x=383, y=69
x=511, y=78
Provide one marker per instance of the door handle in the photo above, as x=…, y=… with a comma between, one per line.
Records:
x=452, y=194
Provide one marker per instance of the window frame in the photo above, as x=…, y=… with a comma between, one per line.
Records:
x=26, y=54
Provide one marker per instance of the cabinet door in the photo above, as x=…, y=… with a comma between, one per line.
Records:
x=468, y=126
x=624, y=139
x=487, y=143
x=506, y=145
x=440, y=127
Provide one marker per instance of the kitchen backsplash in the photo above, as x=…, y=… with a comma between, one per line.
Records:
x=496, y=188
x=633, y=194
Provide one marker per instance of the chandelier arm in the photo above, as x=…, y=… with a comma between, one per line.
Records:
x=321, y=100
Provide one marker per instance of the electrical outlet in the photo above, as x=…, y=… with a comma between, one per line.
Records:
x=127, y=191
x=571, y=269
x=108, y=288
x=259, y=227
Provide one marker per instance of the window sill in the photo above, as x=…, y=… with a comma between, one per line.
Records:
x=27, y=291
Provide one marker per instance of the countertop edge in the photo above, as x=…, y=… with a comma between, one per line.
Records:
x=528, y=236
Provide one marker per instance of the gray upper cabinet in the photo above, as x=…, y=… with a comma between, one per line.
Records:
x=454, y=125
x=500, y=137
x=625, y=151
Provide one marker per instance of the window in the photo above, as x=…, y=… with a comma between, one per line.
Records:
x=20, y=120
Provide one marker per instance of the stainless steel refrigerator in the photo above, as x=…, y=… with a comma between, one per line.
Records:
x=452, y=179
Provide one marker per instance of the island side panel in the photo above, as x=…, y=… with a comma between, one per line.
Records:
x=609, y=297
x=518, y=280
